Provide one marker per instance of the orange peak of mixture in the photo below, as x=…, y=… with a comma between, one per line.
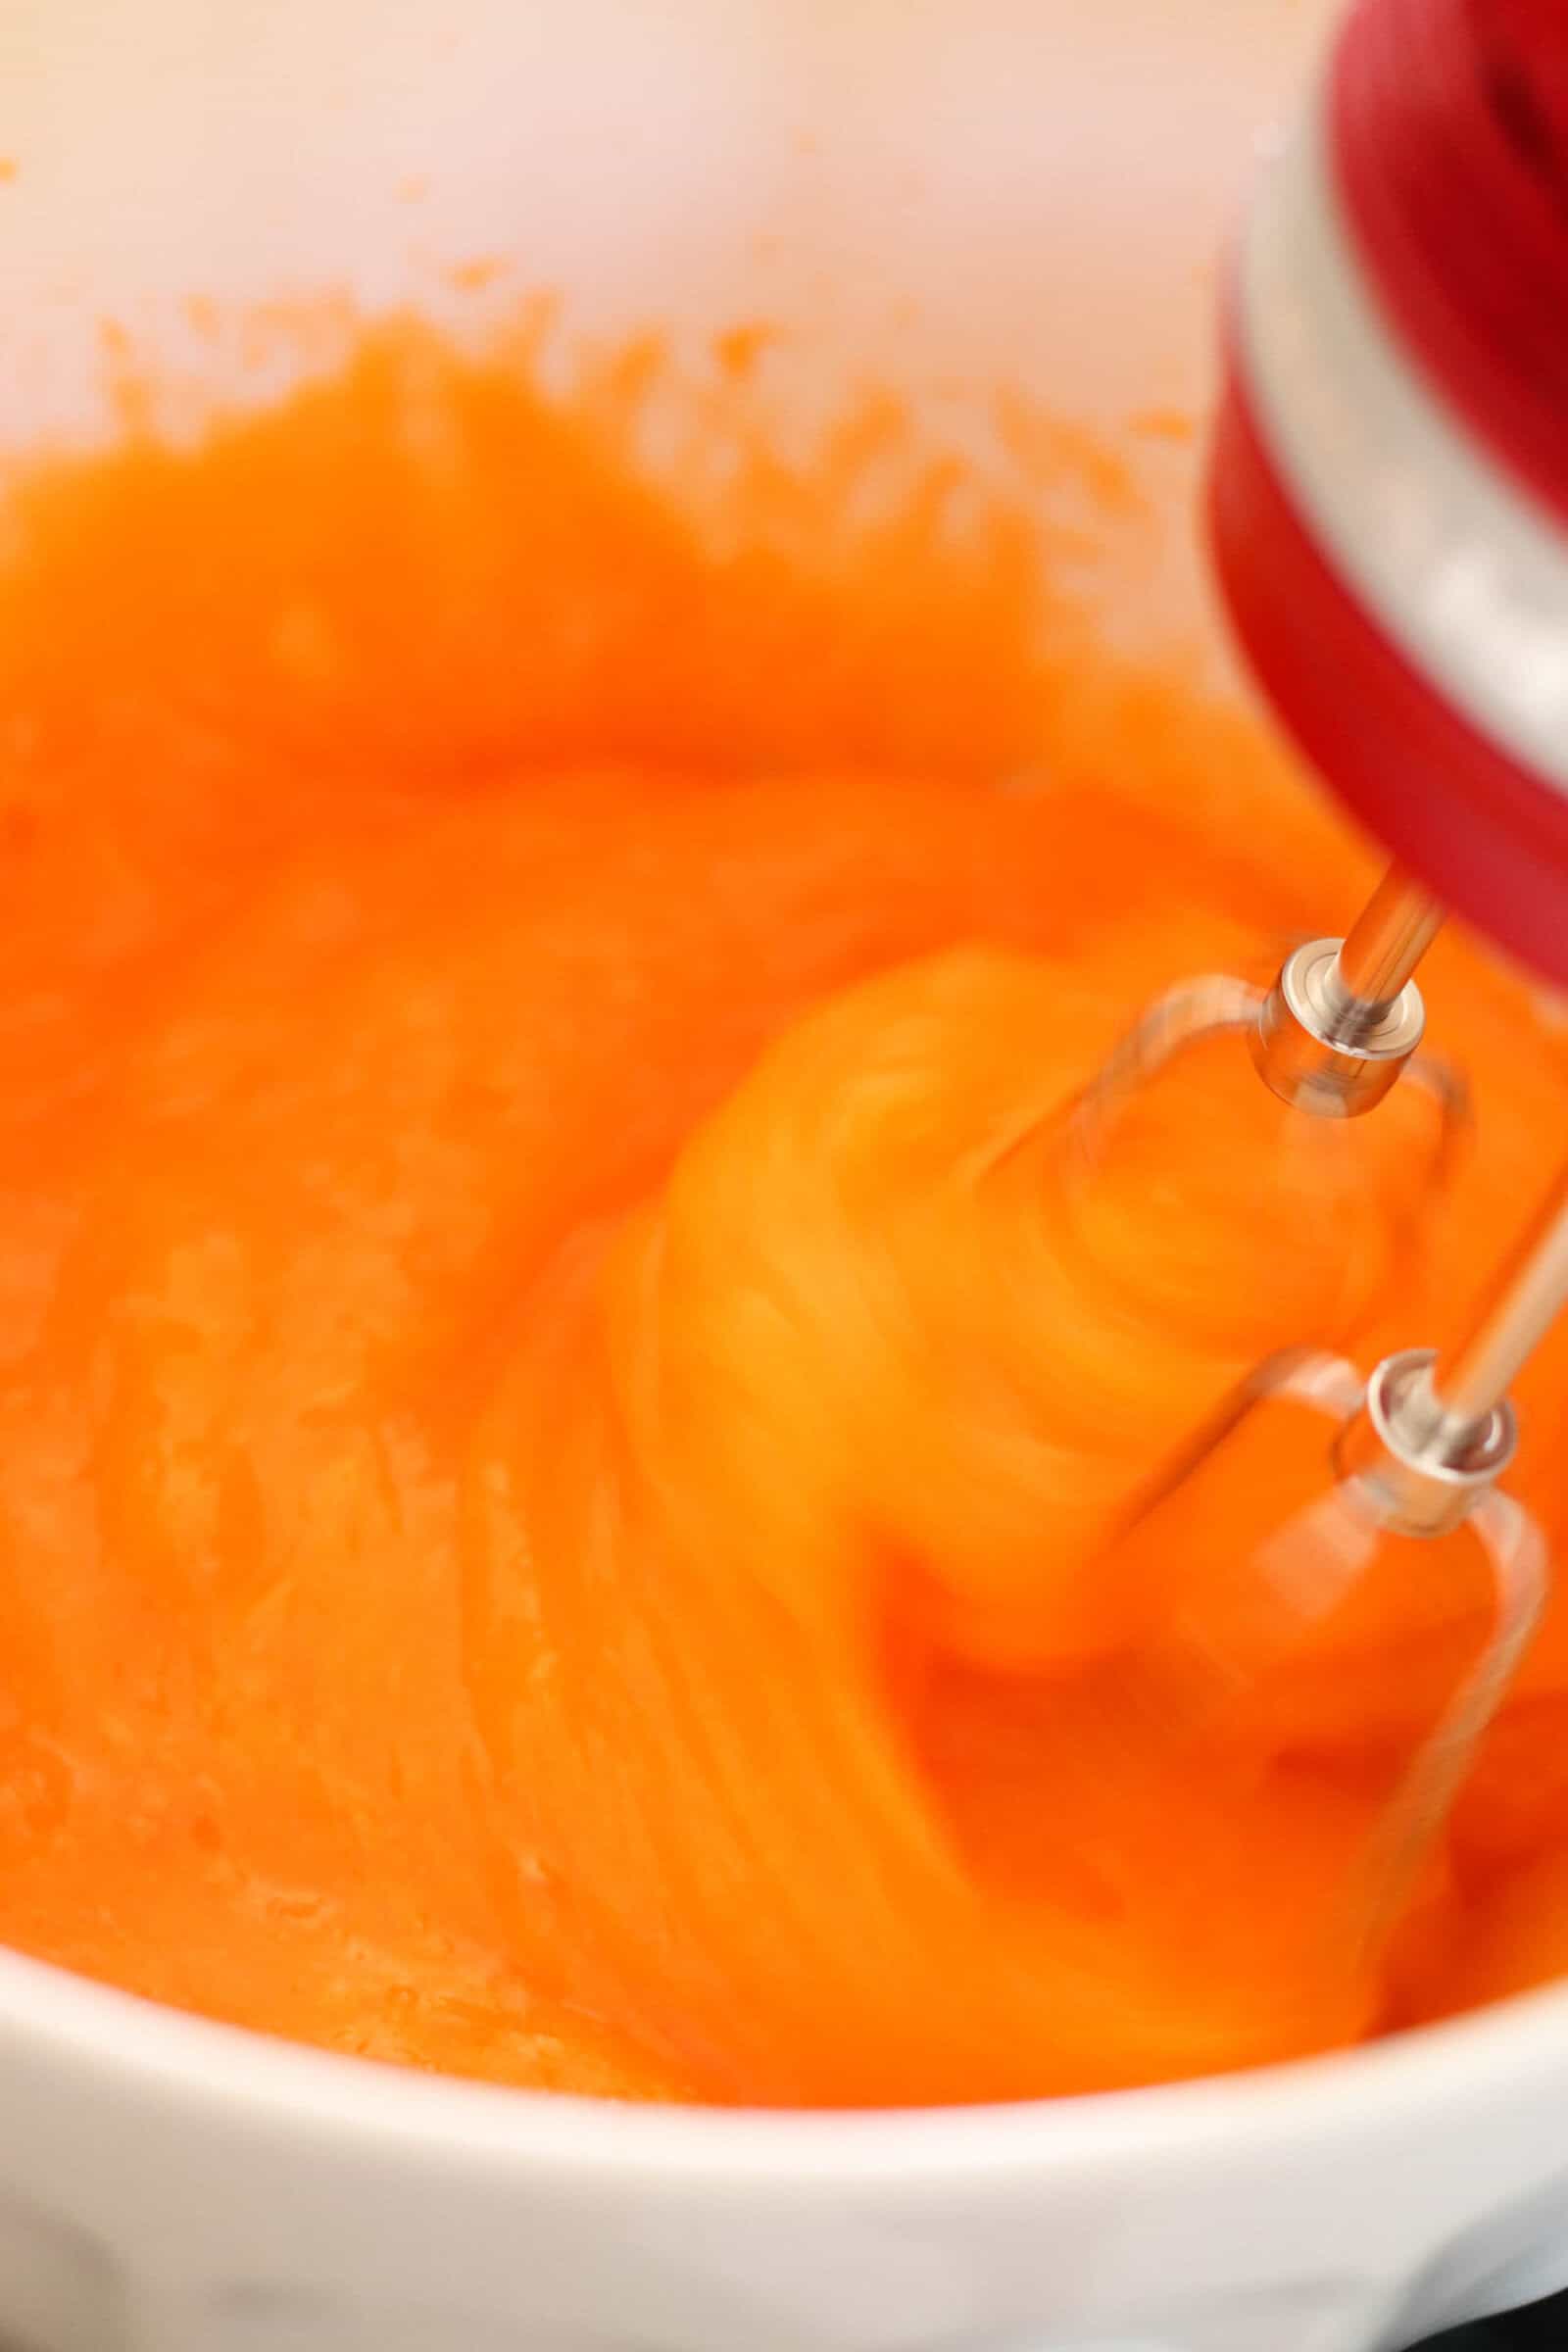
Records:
x=557, y=1447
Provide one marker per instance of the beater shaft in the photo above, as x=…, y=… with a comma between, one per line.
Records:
x=1385, y=943
x=1344, y=1015
x=1474, y=1378
x=1437, y=1432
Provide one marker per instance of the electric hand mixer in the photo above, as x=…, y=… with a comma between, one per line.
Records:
x=1389, y=516
x=1388, y=508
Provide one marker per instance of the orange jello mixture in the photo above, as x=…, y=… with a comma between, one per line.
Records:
x=553, y=1467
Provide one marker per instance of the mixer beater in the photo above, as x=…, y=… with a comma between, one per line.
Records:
x=1356, y=1589
x=1219, y=1079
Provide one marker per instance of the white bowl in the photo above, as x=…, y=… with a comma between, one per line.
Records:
x=1026, y=187
x=170, y=2186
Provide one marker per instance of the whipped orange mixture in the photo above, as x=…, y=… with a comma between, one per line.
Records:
x=558, y=1430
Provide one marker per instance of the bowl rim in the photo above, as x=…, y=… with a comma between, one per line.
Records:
x=112, y=2041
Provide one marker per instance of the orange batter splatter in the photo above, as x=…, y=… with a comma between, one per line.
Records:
x=556, y=1433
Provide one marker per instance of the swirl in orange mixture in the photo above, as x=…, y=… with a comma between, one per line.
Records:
x=555, y=1452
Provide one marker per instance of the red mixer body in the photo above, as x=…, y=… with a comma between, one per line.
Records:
x=1389, y=493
